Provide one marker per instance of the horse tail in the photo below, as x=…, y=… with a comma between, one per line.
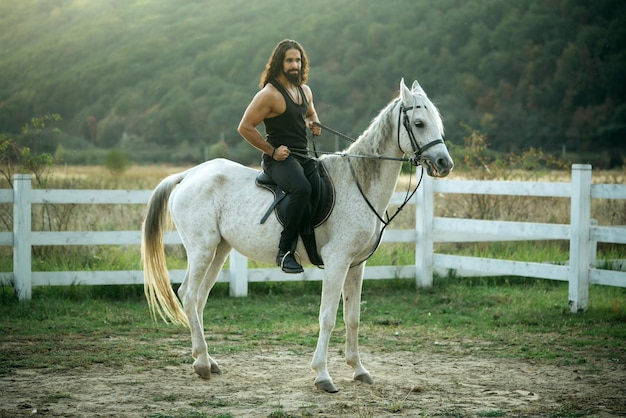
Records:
x=157, y=287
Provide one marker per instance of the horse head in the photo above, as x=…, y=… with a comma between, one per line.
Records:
x=420, y=131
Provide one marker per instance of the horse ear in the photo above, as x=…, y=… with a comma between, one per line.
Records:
x=405, y=93
x=416, y=88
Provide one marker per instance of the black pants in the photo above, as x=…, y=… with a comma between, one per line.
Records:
x=296, y=179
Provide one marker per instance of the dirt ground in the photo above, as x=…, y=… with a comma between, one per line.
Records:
x=280, y=384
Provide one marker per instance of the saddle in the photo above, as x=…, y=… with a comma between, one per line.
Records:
x=317, y=214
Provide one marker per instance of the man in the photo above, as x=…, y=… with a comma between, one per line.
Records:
x=285, y=106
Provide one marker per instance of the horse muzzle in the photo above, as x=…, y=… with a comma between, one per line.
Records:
x=438, y=165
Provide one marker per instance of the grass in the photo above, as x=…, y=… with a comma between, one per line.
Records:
x=504, y=317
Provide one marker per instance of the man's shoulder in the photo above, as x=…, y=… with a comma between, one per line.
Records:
x=270, y=99
x=269, y=92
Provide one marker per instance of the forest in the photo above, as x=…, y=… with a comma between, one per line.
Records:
x=168, y=81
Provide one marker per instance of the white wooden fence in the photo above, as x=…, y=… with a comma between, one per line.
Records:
x=582, y=234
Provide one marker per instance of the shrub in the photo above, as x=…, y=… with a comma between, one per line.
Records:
x=116, y=161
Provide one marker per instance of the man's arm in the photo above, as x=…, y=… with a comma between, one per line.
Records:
x=259, y=108
x=266, y=103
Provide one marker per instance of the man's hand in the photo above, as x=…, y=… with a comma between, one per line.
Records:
x=315, y=127
x=281, y=153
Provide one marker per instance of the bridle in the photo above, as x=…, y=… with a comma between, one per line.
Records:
x=417, y=150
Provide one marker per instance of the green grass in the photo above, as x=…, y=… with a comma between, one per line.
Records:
x=127, y=257
x=79, y=326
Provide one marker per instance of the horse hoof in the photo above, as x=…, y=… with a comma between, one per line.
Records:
x=365, y=378
x=203, y=371
x=326, y=386
x=215, y=369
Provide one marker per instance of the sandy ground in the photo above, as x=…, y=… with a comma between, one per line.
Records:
x=280, y=384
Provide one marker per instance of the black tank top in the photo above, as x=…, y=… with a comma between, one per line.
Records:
x=288, y=128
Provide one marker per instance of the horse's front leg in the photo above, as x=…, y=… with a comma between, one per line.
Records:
x=331, y=292
x=352, y=314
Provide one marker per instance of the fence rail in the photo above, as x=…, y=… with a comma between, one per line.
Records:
x=582, y=234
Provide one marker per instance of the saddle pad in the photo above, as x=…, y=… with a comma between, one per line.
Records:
x=326, y=196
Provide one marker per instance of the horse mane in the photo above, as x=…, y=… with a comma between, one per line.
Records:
x=379, y=129
x=370, y=142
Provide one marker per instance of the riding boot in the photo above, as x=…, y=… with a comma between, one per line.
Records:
x=287, y=262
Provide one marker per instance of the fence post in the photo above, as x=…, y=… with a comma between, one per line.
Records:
x=424, y=213
x=238, y=274
x=580, y=243
x=22, y=252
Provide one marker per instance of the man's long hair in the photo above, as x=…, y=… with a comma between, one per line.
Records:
x=274, y=65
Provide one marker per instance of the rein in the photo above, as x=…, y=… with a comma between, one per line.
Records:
x=343, y=154
x=407, y=197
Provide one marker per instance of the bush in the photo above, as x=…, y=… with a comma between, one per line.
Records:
x=116, y=161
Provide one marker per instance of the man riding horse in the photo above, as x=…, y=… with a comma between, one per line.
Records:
x=285, y=106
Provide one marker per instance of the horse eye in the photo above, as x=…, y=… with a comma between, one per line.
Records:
x=419, y=123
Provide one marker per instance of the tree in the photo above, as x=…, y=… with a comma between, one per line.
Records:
x=17, y=157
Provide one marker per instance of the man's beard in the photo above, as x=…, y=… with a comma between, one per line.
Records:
x=293, y=77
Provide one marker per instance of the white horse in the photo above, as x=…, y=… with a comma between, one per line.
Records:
x=216, y=206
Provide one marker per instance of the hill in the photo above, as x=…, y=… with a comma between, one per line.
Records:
x=169, y=81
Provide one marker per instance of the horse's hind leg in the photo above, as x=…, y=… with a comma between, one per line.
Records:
x=352, y=315
x=222, y=252
x=202, y=273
